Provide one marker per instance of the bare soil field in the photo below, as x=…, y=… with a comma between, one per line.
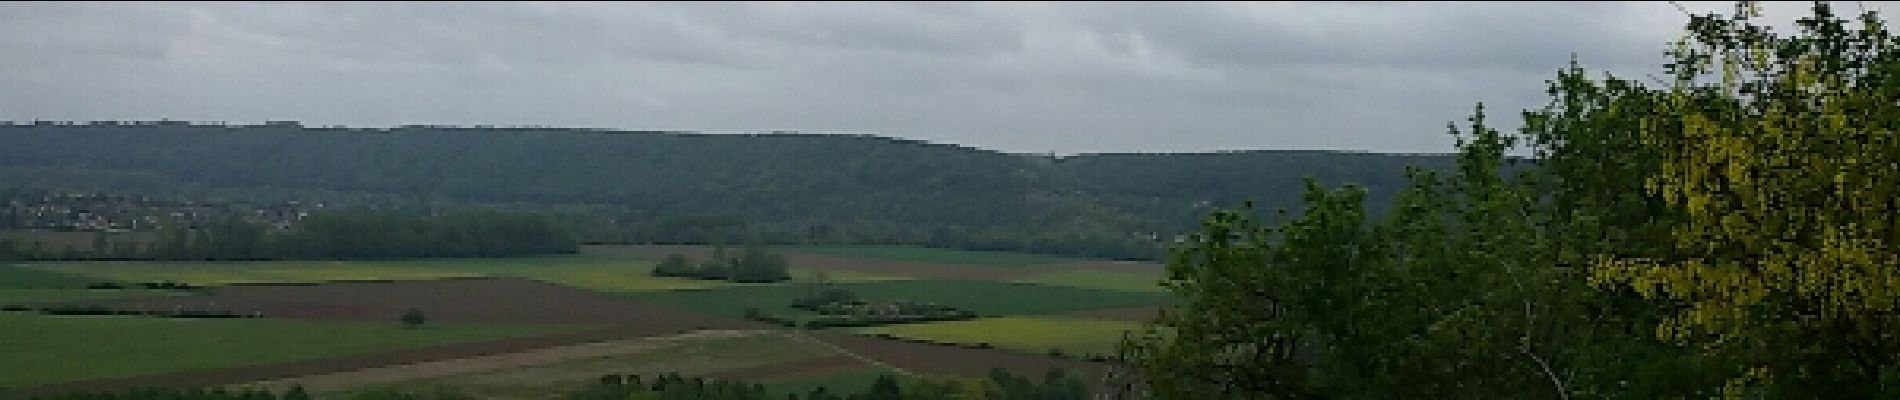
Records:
x=1130, y=314
x=921, y=270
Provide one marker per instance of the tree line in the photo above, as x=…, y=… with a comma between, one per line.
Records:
x=757, y=264
x=1730, y=235
x=332, y=235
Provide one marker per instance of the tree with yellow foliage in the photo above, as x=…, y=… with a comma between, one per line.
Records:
x=1780, y=155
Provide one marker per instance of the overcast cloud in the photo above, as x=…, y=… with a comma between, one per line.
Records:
x=1019, y=77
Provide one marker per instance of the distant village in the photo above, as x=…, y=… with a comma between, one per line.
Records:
x=93, y=212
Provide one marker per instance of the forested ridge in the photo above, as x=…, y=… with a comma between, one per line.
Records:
x=674, y=187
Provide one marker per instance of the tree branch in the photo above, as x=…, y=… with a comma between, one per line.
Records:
x=1524, y=343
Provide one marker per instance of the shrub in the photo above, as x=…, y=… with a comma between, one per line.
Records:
x=413, y=318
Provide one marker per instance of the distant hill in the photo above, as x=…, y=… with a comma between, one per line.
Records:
x=669, y=186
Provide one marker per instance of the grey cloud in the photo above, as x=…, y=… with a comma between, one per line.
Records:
x=1027, y=77
x=1405, y=34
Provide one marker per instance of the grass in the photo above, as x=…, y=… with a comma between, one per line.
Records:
x=932, y=255
x=37, y=349
x=1075, y=336
x=606, y=273
x=1105, y=280
x=983, y=297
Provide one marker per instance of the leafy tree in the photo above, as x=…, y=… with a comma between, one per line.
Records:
x=1729, y=215
x=758, y=264
x=1779, y=153
x=413, y=318
x=100, y=246
x=675, y=265
x=884, y=388
x=296, y=392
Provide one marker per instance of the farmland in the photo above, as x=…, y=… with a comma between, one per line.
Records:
x=15, y=277
x=1076, y=336
x=522, y=327
x=594, y=272
x=933, y=255
x=843, y=267
x=983, y=297
x=46, y=349
x=1105, y=280
x=228, y=273
x=20, y=285
x=534, y=373
x=26, y=296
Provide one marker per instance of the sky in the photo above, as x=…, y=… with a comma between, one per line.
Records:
x=1059, y=77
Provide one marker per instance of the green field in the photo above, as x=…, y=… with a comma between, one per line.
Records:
x=594, y=272
x=19, y=277
x=932, y=255
x=1078, y=336
x=20, y=285
x=1105, y=280
x=36, y=349
x=983, y=297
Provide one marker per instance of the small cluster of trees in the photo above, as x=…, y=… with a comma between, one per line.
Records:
x=821, y=292
x=861, y=313
x=839, y=307
x=756, y=265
